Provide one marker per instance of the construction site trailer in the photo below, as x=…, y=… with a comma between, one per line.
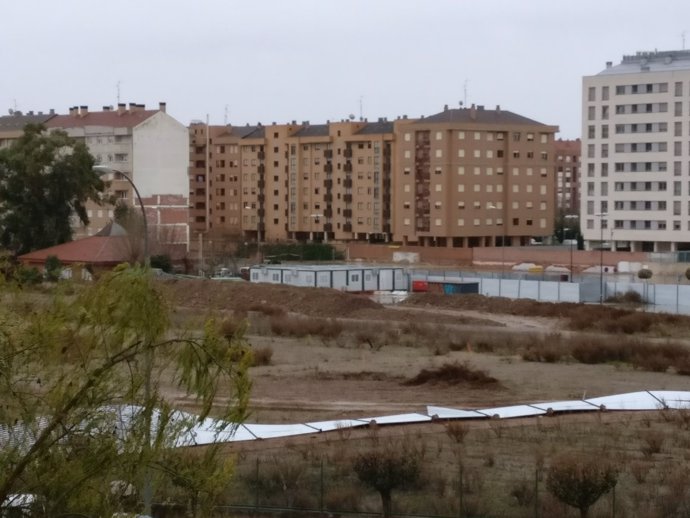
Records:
x=354, y=278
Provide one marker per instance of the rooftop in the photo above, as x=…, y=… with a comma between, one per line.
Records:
x=17, y=120
x=652, y=61
x=477, y=114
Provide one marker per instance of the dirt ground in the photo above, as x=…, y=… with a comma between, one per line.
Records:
x=314, y=379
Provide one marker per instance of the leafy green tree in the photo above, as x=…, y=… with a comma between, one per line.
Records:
x=45, y=178
x=53, y=268
x=389, y=468
x=580, y=483
x=83, y=378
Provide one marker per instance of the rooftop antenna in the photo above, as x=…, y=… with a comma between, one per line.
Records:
x=361, y=98
x=464, y=87
x=682, y=37
x=227, y=111
x=118, y=91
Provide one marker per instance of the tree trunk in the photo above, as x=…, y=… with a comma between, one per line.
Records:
x=387, y=503
x=584, y=512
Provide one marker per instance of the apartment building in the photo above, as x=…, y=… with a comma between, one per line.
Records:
x=304, y=181
x=149, y=146
x=636, y=154
x=567, y=159
x=12, y=125
x=473, y=177
x=461, y=178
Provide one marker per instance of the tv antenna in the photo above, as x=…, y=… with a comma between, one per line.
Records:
x=464, y=87
x=118, y=91
x=361, y=99
x=682, y=37
x=227, y=111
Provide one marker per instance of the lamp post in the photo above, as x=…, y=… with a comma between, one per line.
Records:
x=101, y=170
x=573, y=237
x=601, y=217
x=491, y=206
x=147, y=492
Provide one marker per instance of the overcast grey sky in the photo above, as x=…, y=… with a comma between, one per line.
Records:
x=279, y=60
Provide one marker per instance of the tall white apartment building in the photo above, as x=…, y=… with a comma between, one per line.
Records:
x=635, y=176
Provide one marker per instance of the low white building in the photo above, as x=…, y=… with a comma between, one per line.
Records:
x=352, y=278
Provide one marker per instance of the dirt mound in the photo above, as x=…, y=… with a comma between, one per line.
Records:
x=227, y=295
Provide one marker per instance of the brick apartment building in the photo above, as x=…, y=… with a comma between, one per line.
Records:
x=567, y=155
x=461, y=178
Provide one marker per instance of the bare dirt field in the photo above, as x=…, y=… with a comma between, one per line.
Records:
x=360, y=358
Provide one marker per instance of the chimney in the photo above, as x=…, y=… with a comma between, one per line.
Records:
x=30, y=112
x=52, y=111
x=73, y=110
x=121, y=108
x=473, y=112
x=107, y=108
x=445, y=107
x=609, y=64
x=132, y=107
x=498, y=108
x=83, y=110
x=161, y=107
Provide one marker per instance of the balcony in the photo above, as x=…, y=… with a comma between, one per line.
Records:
x=262, y=169
x=262, y=227
x=328, y=167
x=386, y=214
x=262, y=155
x=347, y=213
x=347, y=227
x=386, y=183
x=261, y=184
x=328, y=197
x=328, y=212
x=328, y=227
x=328, y=184
x=261, y=198
x=347, y=198
x=347, y=183
x=347, y=153
x=328, y=153
x=347, y=167
x=261, y=212
x=387, y=228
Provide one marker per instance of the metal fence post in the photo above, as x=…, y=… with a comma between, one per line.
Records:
x=321, y=489
x=461, y=510
x=256, y=496
x=536, y=492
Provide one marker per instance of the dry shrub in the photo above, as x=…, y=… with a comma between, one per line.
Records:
x=261, y=356
x=342, y=498
x=591, y=350
x=653, y=440
x=268, y=309
x=234, y=326
x=639, y=471
x=629, y=297
x=658, y=358
x=543, y=350
x=454, y=374
x=630, y=323
x=457, y=431
x=523, y=493
x=301, y=327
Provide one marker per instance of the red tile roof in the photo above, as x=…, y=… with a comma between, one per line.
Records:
x=96, y=250
x=126, y=119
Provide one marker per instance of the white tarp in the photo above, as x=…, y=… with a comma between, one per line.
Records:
x=453, y=413
x=566, y=406
x=630, y=401
x=508, y=412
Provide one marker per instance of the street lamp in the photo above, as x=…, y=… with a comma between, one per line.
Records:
x=148, y=356
x=601, y=217
x=101, y=170
x=575, y=217
x=491, y=206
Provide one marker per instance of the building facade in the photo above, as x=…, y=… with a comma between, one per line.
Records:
x=461, y=178
x=636, y=154
x=149, y=146
x=567, y=155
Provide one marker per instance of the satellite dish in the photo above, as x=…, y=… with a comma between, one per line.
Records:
x=352, y=116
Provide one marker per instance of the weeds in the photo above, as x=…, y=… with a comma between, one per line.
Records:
x=454, y=374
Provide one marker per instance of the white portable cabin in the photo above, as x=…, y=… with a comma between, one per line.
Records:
x=339, y=277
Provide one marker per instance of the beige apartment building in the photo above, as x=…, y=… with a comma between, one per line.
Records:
x=461, y=178
x=636, y=154
x=473, y=177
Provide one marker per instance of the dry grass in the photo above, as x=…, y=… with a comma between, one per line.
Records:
x=299, y=327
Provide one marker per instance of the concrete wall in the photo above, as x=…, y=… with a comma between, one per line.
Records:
x=161, y=156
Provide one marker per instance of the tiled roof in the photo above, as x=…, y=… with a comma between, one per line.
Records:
x=313, y=130
x=17, y=121
x=481, y=116
x=96, y=250
x=126, y=119
x=376, y=128
x=250, y=131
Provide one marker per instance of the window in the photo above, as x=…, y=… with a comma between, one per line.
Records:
x=591, y=115
x=461, y=153
x=461, y=170
x=477, y=135
x=605, y=93
x=439, y=135
x=439, y=153
x=591, y=94
x=407, y=137
x=461, y=135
